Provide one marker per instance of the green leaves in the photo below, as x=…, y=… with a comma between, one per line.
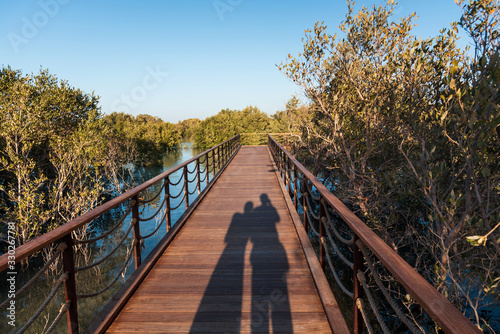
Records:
x=151, y=136
x=53, y=151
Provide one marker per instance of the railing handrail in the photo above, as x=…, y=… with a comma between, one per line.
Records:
x=24, y=251
x=431, y=300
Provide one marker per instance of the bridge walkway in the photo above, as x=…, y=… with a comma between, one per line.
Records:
x=236, y=266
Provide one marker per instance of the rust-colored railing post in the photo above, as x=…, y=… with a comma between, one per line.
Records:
x=285, y=173
x=168, y=216
x=358, y=289
x=226, y=151
x=198, y=176
x=207, y=168
x=223, y=149
x=216, y=160
x=305, y=193
x=219, y=159
x=295, y=184
x=289, y=175
x=70, y=285
x=322, y=247
x=186, y=187
x=281, y=163
x=137, y=232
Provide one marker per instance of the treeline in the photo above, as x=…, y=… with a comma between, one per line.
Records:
x=228, y=123
x=149, y=136
x=407, y=132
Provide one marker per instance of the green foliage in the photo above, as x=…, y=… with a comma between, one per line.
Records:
x=151, y=136
x=187, y=129
x=407, y=129
x=54, y=152
x=228, y=123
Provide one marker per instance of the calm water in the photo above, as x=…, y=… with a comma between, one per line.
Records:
x=95, y=279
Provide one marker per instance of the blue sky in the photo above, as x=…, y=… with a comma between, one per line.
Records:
x=178, y=59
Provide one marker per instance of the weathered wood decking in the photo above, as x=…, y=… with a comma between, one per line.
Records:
x=236, y=266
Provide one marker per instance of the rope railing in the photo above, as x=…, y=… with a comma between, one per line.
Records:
x=333, y=244
x=64, y=277
x=181, y=201
x=194, y=179
x=191, y=172
x=181, y=179
x=181, y=192
x=62, y=312
x=107, y=287
x=334, y=272
x=157, y=227
x=399, y=311
x=104, y=235
x=111, y=252
x=335, y=231
x=35, y=278
x=360, y=305
x=158, y=193
x=160, y=207
x=373, y=305
x=316, y=205
x=205, y=167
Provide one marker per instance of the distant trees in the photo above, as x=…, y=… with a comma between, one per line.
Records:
x=408, y=131
x=151, y=136
x=228, y=123
x=187, y=129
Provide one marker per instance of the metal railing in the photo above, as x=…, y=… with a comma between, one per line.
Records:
x=195, y=175
x=353, y=256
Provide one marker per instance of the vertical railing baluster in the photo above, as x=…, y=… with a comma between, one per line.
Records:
x=225, y=153
x=70, y=286
x=322, y=247
x=223, y=148
x=305, y=193
x=289, y=174
x=358, y=289
x=214, y=157
x=284, y=174
x=198, y=176
x=168, y=215
x=137, y=232
x=219, y=159
x=186, y=187
x=295, y=185
x=207, y=168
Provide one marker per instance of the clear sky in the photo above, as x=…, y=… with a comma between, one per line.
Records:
x=178, y=59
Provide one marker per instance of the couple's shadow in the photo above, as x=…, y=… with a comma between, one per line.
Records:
x=222, y=304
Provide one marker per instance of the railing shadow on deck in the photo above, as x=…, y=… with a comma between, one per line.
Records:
x=192, y=178
x=269, y=292
x=355, y=258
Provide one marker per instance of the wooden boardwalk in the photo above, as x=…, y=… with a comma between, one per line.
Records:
x=236, y=266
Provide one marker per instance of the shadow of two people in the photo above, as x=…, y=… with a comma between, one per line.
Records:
x=222, y=302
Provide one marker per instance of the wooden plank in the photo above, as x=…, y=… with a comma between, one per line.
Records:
x=228, y=268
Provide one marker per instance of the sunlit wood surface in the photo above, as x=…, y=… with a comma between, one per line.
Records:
x=231, y=271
